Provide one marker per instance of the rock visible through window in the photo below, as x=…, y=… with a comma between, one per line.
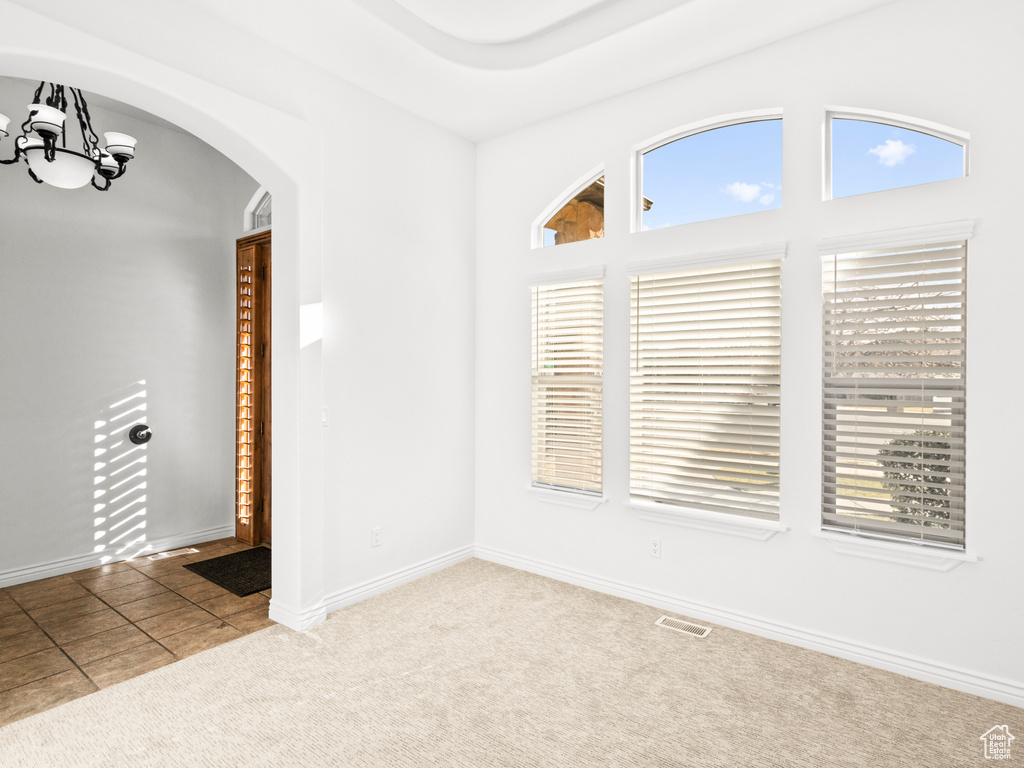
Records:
x=582, y=218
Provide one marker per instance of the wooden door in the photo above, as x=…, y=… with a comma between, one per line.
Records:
x=252, y=402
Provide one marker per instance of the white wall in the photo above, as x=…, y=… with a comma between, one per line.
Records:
x=938, y=61
x=126, y=294
x=398, y=344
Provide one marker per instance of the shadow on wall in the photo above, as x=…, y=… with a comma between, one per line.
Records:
x=119, y=476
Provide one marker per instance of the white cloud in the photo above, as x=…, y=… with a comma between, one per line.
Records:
x=767, y=199
x=892, y=152
x=743, y=192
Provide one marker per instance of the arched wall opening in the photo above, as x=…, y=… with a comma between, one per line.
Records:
x=249, y=134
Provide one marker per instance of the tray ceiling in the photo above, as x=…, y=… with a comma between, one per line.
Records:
x=498, y=21
x=479, y=68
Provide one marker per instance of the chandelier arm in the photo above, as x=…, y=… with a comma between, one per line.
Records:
x=35, y=178
x=18, y=154
x=17, y=150
x=26, y=126
x=63, y=108
x=105, y=187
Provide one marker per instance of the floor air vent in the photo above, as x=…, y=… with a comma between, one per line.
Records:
x=173, y=553
x=683, y=626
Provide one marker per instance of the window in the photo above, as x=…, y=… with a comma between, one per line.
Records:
x=711, y=172
x=259, y=212
x=264, y=211
x=704, y=388
x=873, y=152
x=568, y=385
x=894, y=388
x=582, y=218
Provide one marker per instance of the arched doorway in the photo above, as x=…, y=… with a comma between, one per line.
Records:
x=244, y=131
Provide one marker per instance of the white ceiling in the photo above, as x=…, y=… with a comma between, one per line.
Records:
x=427, y=55
x=497, y=21
x=477, y=67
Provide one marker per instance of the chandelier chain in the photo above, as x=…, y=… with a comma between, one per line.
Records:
x=90, y=142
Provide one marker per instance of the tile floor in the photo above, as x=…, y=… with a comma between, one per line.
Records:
x=70, y=635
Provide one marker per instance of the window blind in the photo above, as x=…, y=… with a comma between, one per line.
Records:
x=894, y=392
x=704, y=388
x=568, y=385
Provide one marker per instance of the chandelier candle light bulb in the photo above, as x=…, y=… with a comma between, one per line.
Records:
x=44, y=143
x=46, y=120
x=108, y=164
x=120, y=144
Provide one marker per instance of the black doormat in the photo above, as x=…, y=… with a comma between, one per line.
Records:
x=241, y=573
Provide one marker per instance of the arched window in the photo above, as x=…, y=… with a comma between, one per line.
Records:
x=580, y=217
x=710, y=170
x=262, y=214
x=258, y=211
x=869, y=151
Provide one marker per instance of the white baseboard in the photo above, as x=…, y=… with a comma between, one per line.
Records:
x=81, y=562
x=396, y=578
x=297, y=620
x=1007, y=691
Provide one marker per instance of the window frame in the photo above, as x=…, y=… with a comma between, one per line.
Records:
x=250, y=217
x=869, y=543
x=936, y=130
x=568, y=495
x=667, y=137
x=738, y=524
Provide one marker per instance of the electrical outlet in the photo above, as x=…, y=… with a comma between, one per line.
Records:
x=655, y=547
x=375, y=537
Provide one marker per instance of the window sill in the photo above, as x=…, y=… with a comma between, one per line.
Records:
x=568, y=498
x=732, y=525
x=917, y=555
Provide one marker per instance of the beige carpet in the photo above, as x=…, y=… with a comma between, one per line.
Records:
x=482, y=665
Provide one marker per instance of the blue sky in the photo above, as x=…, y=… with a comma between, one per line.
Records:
x=738, y=169
x=723, y=172
x=870, y=157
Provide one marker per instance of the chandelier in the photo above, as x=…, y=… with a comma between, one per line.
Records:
x=43, y=144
